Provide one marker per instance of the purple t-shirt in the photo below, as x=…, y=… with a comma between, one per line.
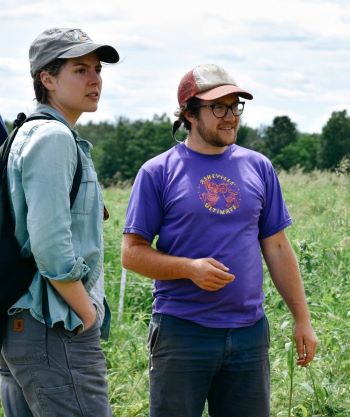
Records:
x=202, y=206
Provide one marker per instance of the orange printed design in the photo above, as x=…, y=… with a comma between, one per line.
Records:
x=18, y=325
x=219, y=194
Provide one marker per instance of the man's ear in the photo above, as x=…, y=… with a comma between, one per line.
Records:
x=47, y=80
x=189, y=116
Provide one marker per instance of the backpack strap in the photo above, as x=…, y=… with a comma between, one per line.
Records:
x=77, y=177
x=21, y=118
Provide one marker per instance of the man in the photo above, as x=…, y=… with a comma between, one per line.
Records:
x=215, y=207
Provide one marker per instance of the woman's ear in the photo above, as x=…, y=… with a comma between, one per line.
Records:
x=47, y=80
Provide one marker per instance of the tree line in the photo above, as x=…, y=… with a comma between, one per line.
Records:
x=121, y=147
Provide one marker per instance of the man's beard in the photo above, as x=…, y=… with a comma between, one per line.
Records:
x=212, y=138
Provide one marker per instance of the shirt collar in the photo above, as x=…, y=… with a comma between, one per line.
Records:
x=44, y=108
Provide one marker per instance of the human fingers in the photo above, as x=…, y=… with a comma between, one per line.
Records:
x=210, y=282
x=310, y=350
x=217, y=264
x=221, y=271
x=299, y=342
x=207, y=276
x=210, y=268
x=306, y=349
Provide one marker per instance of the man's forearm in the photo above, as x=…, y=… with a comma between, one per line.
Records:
x=151, y=263
x=288, y=282
x=206, y=273
x=283, y=267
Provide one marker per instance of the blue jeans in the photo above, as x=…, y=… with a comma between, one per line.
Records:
x=190, y=364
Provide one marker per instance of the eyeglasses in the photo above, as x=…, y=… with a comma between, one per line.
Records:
x=220, y=110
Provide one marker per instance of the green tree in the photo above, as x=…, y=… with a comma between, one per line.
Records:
x=303, y=153
x=111, y=158
x=95, y=132
x=282, y=133
x=250, y=138
x=120, y=153
x=335, y=140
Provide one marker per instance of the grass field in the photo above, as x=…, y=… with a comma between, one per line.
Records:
x=319, y=204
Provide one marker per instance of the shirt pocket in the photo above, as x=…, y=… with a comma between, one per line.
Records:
x=86, y=196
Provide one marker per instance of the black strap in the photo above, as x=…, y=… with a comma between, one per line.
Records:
x=77, y=178
x=79, y=170
x=21, y=118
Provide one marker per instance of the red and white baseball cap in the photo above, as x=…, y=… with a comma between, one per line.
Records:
x=208, y=82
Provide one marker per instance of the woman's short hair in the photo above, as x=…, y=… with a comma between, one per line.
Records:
x=53, y=68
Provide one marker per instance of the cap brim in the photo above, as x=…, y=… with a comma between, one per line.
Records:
x=106, y=53
x=224, y=90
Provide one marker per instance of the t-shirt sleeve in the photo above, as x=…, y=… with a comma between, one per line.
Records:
x=274, y=216
x=144, y=211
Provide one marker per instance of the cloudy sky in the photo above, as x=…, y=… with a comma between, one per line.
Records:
x=292, y=55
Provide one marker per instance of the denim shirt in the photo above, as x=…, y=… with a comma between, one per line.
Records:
x=67, y=244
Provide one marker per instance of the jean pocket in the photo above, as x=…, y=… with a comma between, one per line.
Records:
x=153, y=333
x=24, y=344
x=92, y=332
x=53, y=398
x=268, y=335
x=85, y=347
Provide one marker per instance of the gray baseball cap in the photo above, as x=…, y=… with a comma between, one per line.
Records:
x=66, y=43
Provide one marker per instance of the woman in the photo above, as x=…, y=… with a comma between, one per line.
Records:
x=52, y=362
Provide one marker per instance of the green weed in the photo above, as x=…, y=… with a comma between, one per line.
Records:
x=319, y=204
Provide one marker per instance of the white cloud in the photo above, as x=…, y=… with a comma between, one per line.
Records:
x=292, y=55
x=291, y=93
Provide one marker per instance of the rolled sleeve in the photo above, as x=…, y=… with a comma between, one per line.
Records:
x=79, y=270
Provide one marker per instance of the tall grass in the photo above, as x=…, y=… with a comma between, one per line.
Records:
x=319, y=204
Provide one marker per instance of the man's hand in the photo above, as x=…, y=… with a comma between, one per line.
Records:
x=139, y=256
x=209, y=274
x=283, y=267
x=306, y=342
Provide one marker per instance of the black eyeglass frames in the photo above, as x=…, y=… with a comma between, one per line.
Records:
x=221, y=110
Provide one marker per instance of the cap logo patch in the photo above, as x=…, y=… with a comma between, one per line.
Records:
x=77, y=35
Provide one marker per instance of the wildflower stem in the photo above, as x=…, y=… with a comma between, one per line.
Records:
x=291, y=377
